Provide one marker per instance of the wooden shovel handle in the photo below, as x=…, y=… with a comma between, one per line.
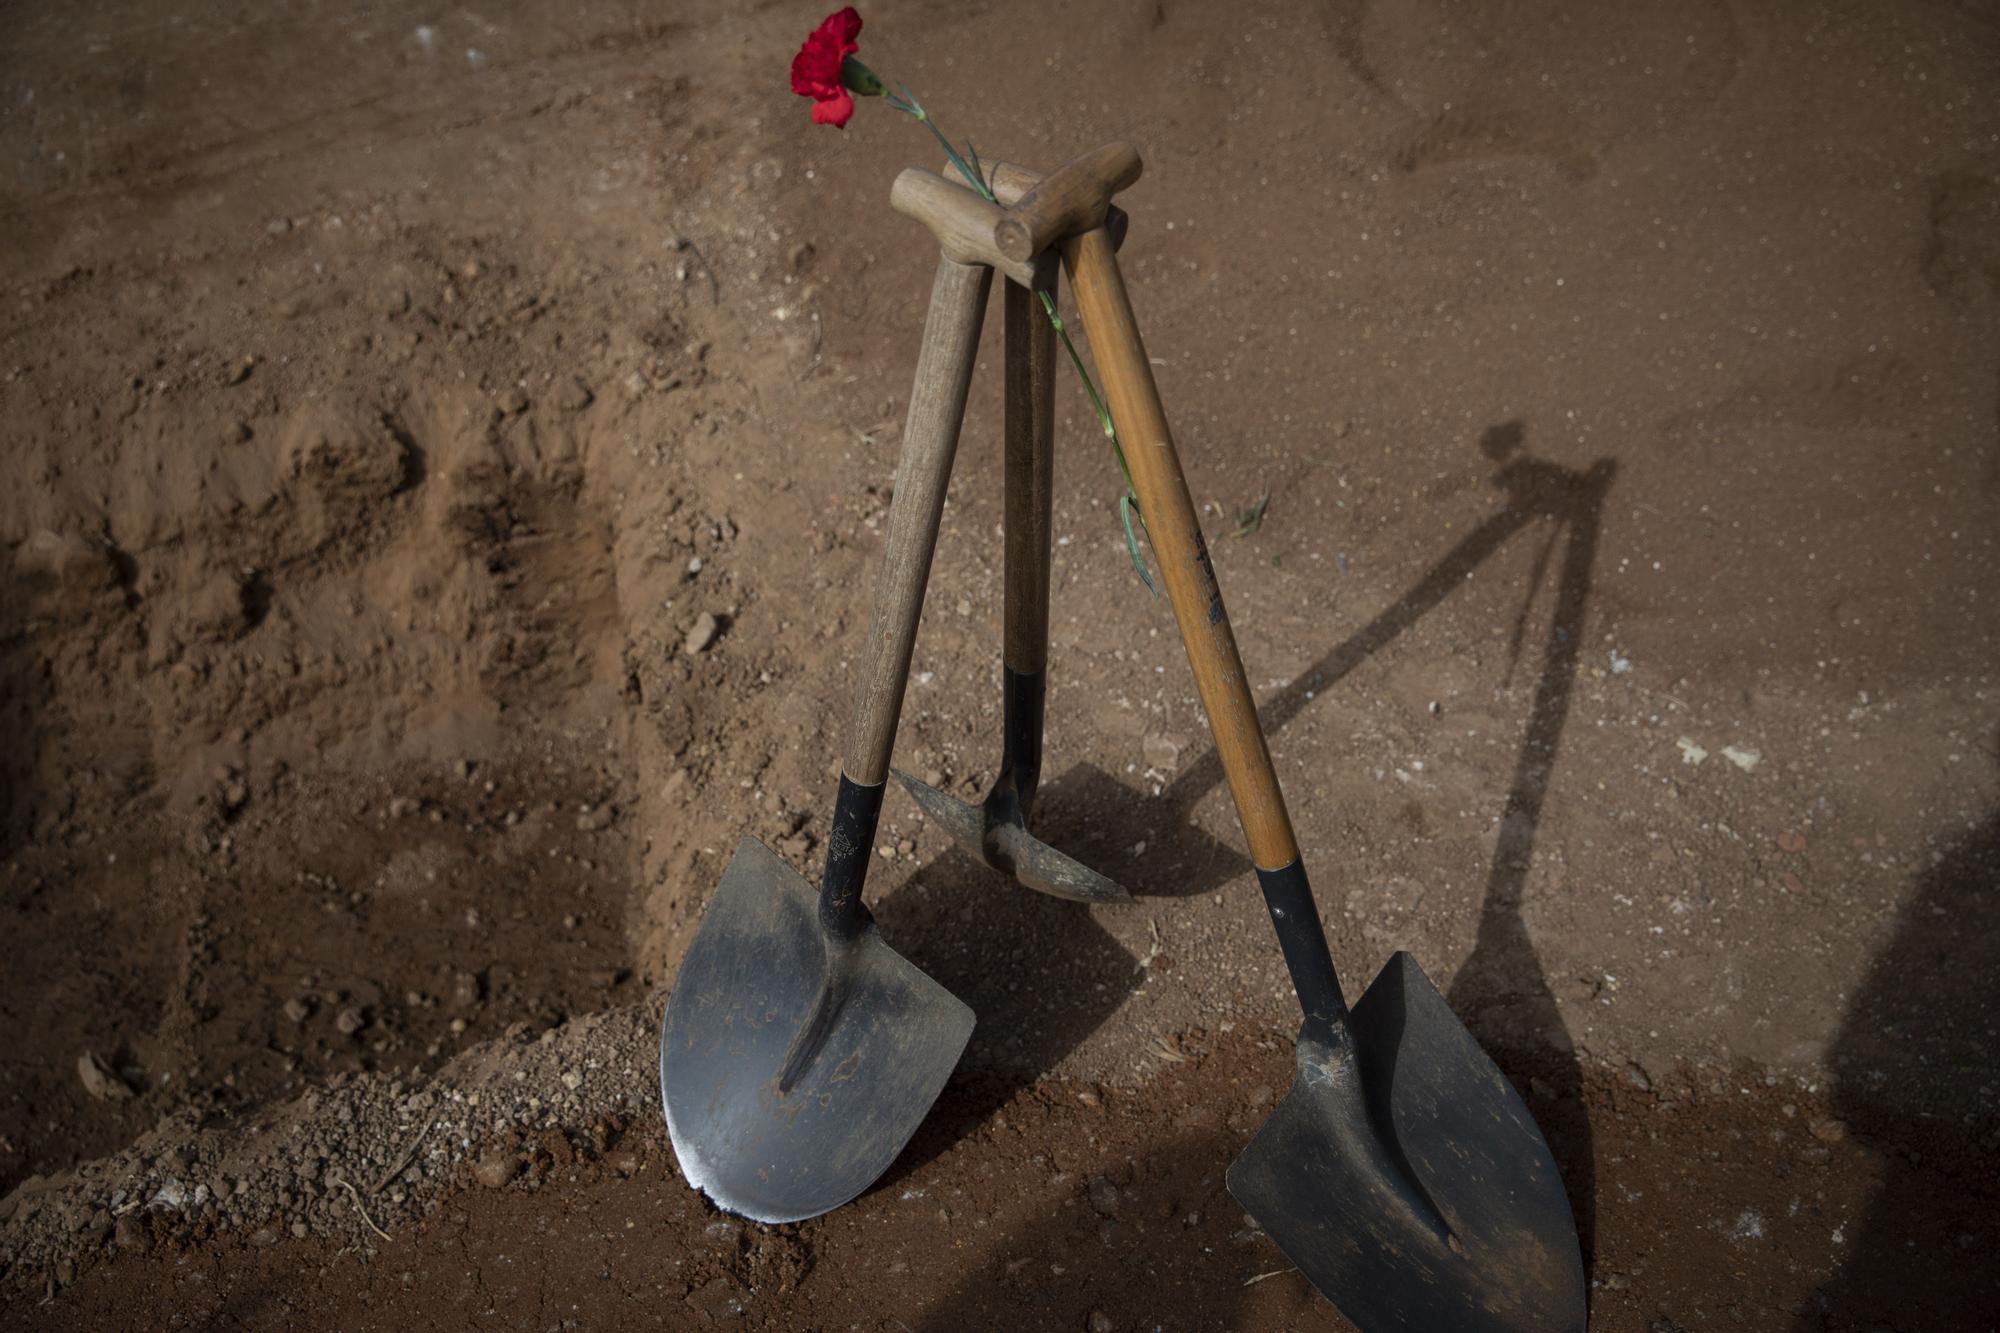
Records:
x=1029, y=416
x=930, y=441
x=1177, y=544
x=1071, y=198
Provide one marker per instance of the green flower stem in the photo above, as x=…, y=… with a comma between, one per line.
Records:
x=907, y=104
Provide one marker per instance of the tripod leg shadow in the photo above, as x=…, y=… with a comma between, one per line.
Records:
x=1502, y=989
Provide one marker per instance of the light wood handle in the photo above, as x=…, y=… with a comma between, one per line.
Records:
x=930, y=441
x=962, y=221
x=1178, y=547
x=1029, y=415
x=1070, y=199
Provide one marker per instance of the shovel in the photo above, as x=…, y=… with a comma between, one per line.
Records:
x=799, y=1052
x=1402, y=1173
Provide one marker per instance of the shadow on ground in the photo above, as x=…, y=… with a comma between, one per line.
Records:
x=1038, y=972
x=1914, y=1080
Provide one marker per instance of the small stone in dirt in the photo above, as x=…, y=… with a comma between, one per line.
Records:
x=401, y=807
x=701, y=635
x=1261, y=1095
x=464, y=990
x=298, y=1009
x=496, y=1168
x=1745, y=759
x=1790, y=841
x=1829, y=1130
x=717, y=1298
x=1099, y=1322
x=1161, y=752
x=574, y=396
x=625, y=1162
x=129, y=1234
x=350, y=1020
x=572, y=1080
x=1103, y=1196
x=594, y=820
x=99, y=1081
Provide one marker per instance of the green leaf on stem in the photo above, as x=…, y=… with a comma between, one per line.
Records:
x=1127, y=507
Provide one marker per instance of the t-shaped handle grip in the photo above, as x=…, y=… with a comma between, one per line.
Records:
x=1070, y=199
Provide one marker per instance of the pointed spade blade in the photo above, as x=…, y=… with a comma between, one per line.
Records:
x=1009, y=848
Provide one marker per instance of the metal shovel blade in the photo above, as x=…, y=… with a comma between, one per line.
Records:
x=996, y=834
x=864, y=1040
x=1408, y=1182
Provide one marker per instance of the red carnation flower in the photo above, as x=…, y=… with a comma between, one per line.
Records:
x=816, y=71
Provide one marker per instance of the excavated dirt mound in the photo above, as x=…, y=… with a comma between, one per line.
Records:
x=445, y=458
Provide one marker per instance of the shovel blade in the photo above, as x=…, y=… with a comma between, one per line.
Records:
x=753, y=981
x=1423, y=1197
x=1009, y=848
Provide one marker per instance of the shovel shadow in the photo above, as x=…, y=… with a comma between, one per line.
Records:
x=1040, y=973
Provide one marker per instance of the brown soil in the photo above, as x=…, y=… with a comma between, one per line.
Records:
x=388, y=393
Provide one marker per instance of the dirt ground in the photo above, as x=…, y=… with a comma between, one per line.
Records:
x=390, y=392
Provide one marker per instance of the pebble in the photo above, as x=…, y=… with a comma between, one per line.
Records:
x=1103, y=1196
x=1100, y=1322
x=593, y=821
x=351, y=1020
x=298, y=1009
x=701, y=635
x=496, y=1169
x=1829, y=1130
x=99, y=1081
x=1161, y=752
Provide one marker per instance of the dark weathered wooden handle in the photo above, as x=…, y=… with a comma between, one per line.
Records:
x=1029, y=416
x=1072, y=198
x=930, y=441
x=1177, y=544
x=962, y=222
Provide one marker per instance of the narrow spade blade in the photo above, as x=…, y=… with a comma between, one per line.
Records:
x=1425, y=1198
x=752, y=982
x=1008, y=847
